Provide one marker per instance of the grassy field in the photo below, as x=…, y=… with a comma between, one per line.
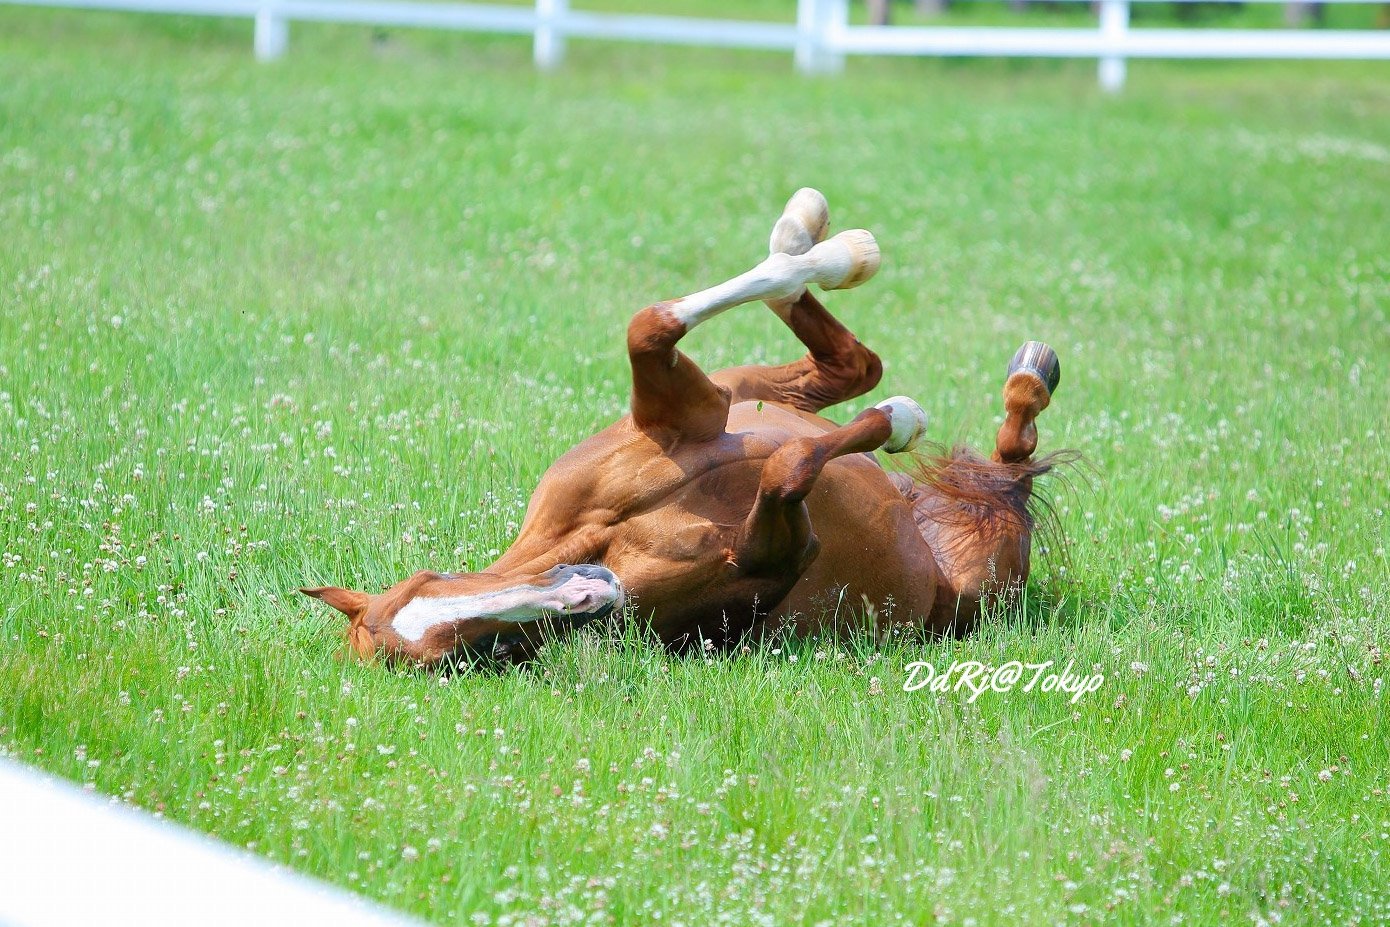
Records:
x=328, y=321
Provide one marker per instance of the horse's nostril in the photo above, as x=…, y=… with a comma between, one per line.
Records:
x=593, y=571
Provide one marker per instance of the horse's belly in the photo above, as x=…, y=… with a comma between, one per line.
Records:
x=873, y=565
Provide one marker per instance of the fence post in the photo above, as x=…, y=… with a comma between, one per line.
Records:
x=272, y=32
x=1114, y=23
x=549, y=49
x=805, y=53
x=834, y=20
x=815, y=21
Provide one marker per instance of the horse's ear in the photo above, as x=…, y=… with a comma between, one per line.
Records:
x=347, y=601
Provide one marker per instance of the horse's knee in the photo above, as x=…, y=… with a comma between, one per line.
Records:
x=791, y=471
x=653, y=333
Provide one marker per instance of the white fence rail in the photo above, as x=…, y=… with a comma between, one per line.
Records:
x=819, y=40
x=67, y=857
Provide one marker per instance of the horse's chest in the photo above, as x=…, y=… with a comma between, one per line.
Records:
x=678, y=538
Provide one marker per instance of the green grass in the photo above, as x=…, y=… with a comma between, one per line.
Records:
x=329, y=320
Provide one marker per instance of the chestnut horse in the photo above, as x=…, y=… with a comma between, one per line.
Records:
x=726, y=503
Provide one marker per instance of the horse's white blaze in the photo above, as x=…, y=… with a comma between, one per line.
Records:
x=577, y=595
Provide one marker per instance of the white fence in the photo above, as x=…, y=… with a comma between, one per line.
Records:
x=820, y=38
x=67, y=858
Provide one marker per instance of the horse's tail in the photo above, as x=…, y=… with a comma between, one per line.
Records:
x=986, y=496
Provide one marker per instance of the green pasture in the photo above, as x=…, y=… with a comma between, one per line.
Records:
x=328, y=320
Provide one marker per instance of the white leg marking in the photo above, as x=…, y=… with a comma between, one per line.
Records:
x=844, y=261
x=803, y=224
x=779, y=275
x=520, y=604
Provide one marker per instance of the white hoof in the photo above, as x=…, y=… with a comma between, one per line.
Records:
x=804, y=223
x=845, y=261
x=909, y=423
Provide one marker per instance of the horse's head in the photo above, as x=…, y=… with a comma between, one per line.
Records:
x=434, y=616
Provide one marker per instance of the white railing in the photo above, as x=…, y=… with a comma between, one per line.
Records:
x=819, y=39
x=75, y=858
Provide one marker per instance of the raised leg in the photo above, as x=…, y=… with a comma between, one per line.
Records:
x=837, y=366
x=973, y=512
x=1033, y=375
x=672, y=399
x=776, y=538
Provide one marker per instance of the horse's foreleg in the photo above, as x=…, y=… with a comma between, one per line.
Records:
x=777, y=533
x=672, y=399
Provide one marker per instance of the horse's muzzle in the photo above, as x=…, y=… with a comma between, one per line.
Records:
x=587, y=590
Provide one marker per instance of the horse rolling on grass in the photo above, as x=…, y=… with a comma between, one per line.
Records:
x=725, y=503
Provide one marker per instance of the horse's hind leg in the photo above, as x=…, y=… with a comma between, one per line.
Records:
x=974, y=512
x=672, y=399
x=837, y=366
x=1033, y=375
